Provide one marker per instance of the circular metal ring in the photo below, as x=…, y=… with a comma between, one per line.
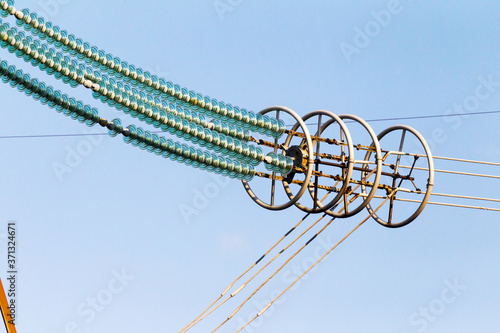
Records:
x=350, y=196
x=308, y=148
x=317, y=205
x=394, y=189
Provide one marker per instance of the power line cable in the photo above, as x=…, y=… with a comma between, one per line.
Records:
x=204, y=314
x=435, y=116
x=157, y=132
x=427, y=116
x=311, y=267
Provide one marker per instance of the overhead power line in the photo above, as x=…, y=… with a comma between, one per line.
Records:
x=38, y=136
x=435, y=116
x=429, y=116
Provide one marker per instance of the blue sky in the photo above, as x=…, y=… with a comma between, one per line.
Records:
x=106, y=247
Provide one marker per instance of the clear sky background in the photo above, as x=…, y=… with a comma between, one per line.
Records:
x=112, y=229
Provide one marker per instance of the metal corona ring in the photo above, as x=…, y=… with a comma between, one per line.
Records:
x=324, y=165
